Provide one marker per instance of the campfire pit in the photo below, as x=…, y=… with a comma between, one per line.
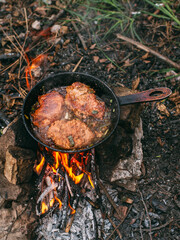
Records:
x=63, y=209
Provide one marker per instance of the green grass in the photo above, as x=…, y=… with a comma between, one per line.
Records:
x=119, y=17
x=167, y=11
x=111, y=12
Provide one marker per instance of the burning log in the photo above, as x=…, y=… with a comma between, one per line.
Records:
x=54, y=185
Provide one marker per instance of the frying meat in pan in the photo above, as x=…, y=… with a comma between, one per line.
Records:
x=83, y=102
x=70, y=134
x=70, y=117
x=50, y=109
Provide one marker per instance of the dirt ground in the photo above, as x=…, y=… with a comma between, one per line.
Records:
x=156, y=203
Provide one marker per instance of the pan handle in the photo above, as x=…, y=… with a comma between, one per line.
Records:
x=145, y=96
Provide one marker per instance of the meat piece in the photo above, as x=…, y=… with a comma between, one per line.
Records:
x=71, y=134
x=83, y=102
x=51, y=108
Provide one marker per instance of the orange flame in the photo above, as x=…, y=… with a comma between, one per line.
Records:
x=90, y=179
x=57, y=158
x=59, y=201
x=52, y=202
x=77, y=163
x=39, y=167
x=44, y=208
x=35, y=63
x=72, y=209
x=75, y=178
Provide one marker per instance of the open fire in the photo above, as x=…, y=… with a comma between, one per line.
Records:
x=57, y=170
x=71, y=200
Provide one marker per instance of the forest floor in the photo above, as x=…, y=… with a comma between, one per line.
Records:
x=78, y=42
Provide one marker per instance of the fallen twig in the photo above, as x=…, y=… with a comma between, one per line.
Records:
x=69, y=224
x=160, y=227
x=68, y=185
x=114, y=225
x=77, y=65
x=146, y=213
x=79, y=35
x=147, y=49
x=119, y=224
x=109, y=198
x=140, y=227
x=154, y=13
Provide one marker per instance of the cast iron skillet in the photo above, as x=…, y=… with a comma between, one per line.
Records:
x=101, y=89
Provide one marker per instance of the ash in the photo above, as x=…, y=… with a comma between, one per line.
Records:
x=88, y=223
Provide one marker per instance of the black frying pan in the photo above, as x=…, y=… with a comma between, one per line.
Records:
x=101, y=89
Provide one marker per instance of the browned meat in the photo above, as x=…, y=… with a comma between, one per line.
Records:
x=71, y=134
x=51, y=108
x=83, y=102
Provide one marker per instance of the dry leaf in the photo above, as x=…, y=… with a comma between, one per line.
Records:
x=122, y=212
x=127, y=63
x=146, y=61
x=135, y=83
x=133, y=220
x=175, y=97
x=92, y=46
x=64, y=30
x=41, y=10
x=95, y=59
x=66, y=42
x=103, y=60
x=16, y=13
x=145, y=56
x=177, y=110
x=161, y=143
x=110, y=66
x=162, y=108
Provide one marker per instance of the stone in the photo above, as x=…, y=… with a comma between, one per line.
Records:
x=120, y=157
x=130, y=167
x=15, y=222
x=8, y=190
x=55, y=28
x=15, y=135
x=36, y=25
x=19, y=164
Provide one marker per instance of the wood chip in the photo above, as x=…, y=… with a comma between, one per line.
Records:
x=162, y=108
x=122, y=211
x=161, y=143
x=95, y=59
x=135, y=83
x=129, y=200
